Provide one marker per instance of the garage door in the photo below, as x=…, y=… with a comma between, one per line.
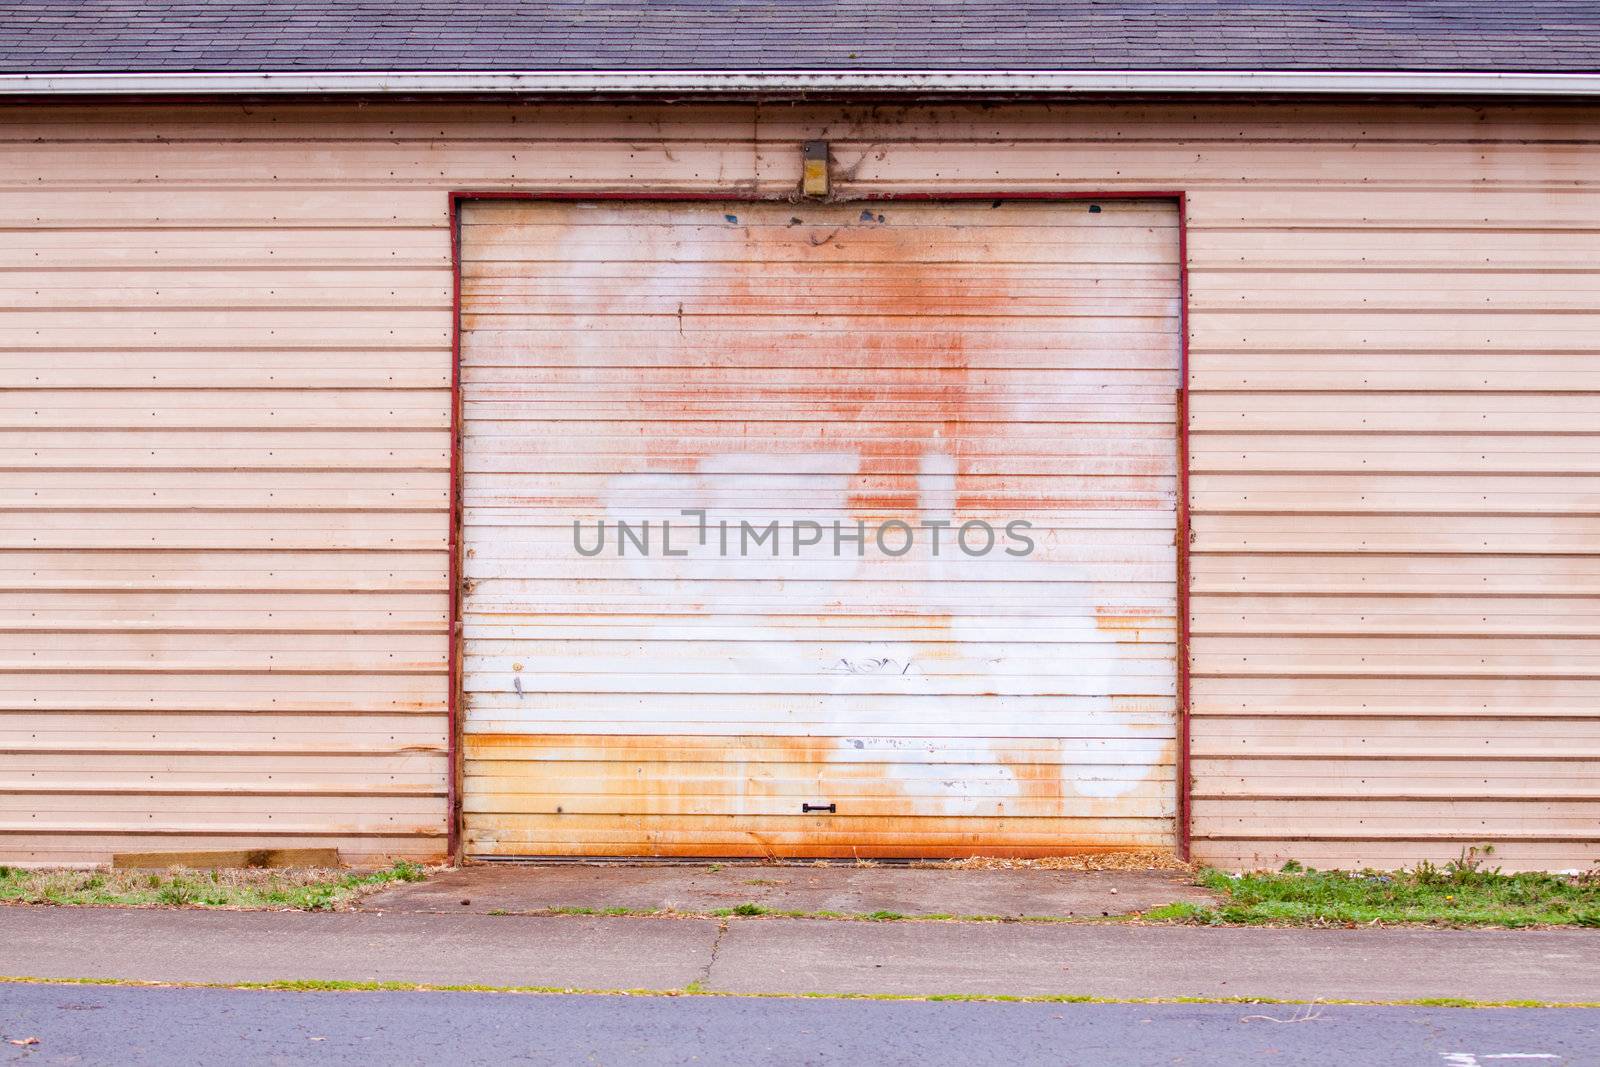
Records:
x=818, y=530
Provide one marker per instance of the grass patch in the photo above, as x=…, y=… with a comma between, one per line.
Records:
x=295, y=889
x=1463, y=892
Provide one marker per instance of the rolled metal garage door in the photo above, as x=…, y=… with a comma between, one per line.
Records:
x=728, y=470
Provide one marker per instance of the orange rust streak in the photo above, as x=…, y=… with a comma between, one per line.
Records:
x=623, y=765
x=979, y=845
x=891, y=465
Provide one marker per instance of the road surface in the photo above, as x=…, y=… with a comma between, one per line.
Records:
x=130, y=1026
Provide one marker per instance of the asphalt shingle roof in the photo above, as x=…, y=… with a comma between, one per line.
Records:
x=102, y=36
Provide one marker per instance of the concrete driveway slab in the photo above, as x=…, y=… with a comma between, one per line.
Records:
x=798, y=956
x=788, y=956
x=850, y=890
x=229, y=947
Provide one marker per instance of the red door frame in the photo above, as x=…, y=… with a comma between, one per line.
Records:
x=457, y=198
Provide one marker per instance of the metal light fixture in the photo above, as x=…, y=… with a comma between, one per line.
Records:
x=814, y=180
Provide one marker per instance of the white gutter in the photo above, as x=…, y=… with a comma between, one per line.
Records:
x=712, y=82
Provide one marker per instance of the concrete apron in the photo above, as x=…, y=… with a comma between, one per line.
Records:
x=848, y=890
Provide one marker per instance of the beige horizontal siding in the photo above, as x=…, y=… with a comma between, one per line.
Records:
x=225, y=341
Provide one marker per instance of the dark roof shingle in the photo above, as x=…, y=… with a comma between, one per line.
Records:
x=103, y=36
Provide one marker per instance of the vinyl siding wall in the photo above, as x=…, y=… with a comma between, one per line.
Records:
x=225, y=334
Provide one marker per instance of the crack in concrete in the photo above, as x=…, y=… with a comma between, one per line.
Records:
x=716, y=947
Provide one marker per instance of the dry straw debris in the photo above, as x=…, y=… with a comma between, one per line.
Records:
x=1126, y=860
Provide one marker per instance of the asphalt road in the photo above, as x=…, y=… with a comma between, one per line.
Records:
x=174, y=1026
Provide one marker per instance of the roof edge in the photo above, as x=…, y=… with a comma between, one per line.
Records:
x=1408, y=83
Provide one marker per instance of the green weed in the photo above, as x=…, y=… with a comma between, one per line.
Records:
x=1462, y=892
x=297, y=889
